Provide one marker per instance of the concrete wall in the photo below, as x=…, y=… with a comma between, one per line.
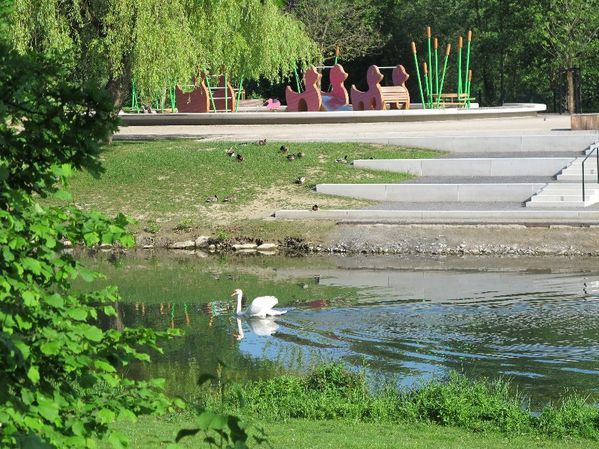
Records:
x=470, y=167
x=417, y=193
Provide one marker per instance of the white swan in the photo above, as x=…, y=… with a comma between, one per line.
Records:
x=260, y=307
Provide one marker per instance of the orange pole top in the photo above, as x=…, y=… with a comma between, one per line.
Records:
x=448, y=50
x=425, y=69
x=428, y=32
x=460, y=42
x=436, y=42
x=470, y=35
x=414, y=47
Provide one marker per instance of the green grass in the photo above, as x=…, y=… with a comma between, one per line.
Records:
x=164, y=184
x=154, y=432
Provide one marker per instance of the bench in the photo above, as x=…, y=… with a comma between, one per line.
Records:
x=395, y=97
x=453, y=99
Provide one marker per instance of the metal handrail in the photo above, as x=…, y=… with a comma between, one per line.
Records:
x=594, y=149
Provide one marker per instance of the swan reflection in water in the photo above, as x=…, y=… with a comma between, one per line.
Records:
x=262, y=327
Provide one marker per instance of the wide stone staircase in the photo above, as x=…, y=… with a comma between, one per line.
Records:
x=488, y=187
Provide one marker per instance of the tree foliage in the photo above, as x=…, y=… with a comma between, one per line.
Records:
x=159, y=43
x=60, y=385
x=352, y=26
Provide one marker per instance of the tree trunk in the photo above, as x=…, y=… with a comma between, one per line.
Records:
x=570, y=94
x=117, y=88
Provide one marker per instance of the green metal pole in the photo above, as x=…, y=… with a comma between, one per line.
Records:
x=134, y=102
x=427, y=83
x=467, y=73
x=334, y=63
x=239, y=94
x=210, y=93
x=173, y=97
x=460, y=43
x=447, y=51
x=418, y=74
x=436, y=46
x=468, y=90
x=430, y=65
x=297, y=81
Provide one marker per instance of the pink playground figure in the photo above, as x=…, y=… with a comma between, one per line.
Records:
x=338, y=96
x=308, y=100
x=312, y=99
x=379, y=97
x=271, y=104
x=198, y=100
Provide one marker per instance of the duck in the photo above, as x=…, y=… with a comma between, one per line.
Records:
x=290, y=157
x=315, y=207
x=212, y=199
x=231, y=152
x=284, y=149
x=240, y=157
x=261, y=307
x=300, y=154
x=262, y=142
x=300, y=180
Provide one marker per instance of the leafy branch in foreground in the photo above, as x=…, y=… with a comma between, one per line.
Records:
x=60, y=370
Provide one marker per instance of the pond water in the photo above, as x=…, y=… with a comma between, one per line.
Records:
x=402, y=320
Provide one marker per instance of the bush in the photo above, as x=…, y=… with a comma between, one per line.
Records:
x=60, y=383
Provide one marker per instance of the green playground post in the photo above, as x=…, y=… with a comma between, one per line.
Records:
x=430, y=65
x=447, y=51
x=436, y=46
x=460, y=43
x=468, y=90
x=239, y=94
x=172, y=90
x=134, y=102
x=418, y=74
x=334, y=64
x=297, y=81
x=466, y=73
x=210, y=92
x=426, y=83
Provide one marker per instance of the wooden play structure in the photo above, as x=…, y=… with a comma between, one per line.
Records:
x=312, y=98
x=379, y=97
x=199, y=99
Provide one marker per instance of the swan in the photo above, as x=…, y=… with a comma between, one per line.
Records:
x=261, y=306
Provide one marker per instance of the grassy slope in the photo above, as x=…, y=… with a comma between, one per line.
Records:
x=150, y=433
x=164, y=184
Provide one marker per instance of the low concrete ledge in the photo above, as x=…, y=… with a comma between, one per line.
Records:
x=531, y=166
x=271, y=118
x=422, y=193
x=584, y=121
x=524, y=216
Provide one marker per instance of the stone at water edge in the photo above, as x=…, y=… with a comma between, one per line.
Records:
x=244, y=246
x=267, y=246
x=187, y=244
x=202, y=241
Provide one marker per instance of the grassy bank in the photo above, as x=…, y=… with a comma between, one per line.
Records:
x=164, y=184
x=153, y=433
x=331, y=407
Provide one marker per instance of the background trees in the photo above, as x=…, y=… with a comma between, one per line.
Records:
x=159, y=43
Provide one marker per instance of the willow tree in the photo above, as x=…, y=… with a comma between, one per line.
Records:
x=156, y=43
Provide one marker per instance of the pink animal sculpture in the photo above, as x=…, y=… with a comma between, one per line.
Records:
x=379, y=97
x=308, y=100
x=372, y=98
x=272, y=105
x=338, y=96
x=198, y=100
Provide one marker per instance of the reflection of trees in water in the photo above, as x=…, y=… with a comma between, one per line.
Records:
x=209, y=335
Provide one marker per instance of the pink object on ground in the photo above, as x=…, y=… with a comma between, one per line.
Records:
x=273, y=104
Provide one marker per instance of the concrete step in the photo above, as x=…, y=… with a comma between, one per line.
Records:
x=560, y=204
x=565, y=195
x=519, y=192
x=520, y=216
x=500, y=167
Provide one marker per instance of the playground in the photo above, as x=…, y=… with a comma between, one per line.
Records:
x=389, y=89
